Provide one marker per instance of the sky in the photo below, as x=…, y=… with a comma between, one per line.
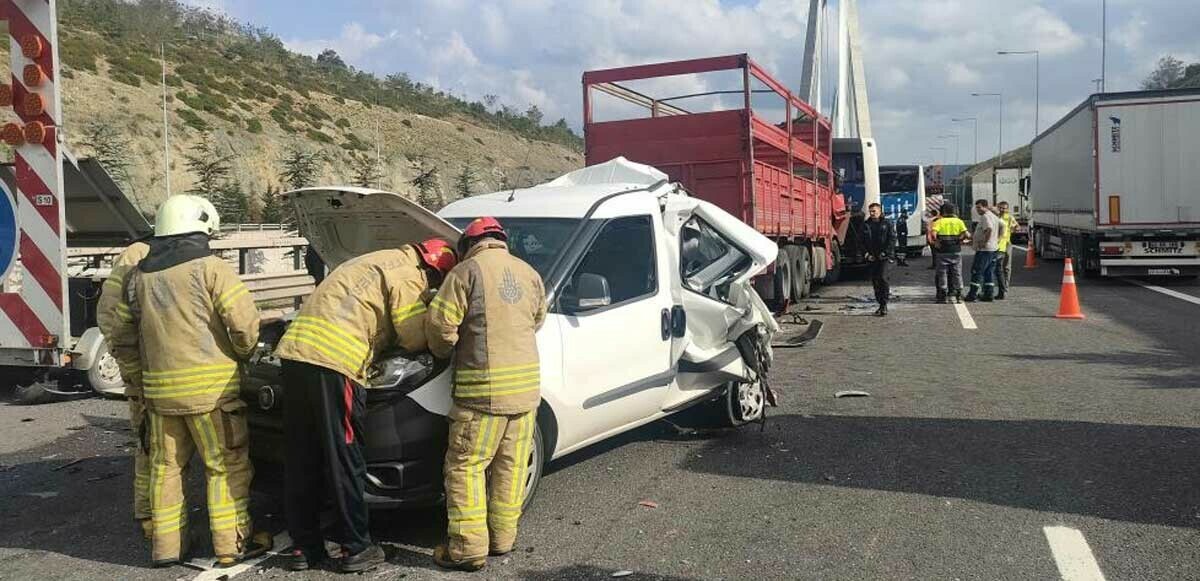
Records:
x=923, y=58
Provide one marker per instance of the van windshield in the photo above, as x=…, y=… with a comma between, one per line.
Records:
x=537, y=241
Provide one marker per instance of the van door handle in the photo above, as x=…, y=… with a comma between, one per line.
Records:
x=666, y=324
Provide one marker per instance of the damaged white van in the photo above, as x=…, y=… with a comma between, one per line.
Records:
x=651, y=312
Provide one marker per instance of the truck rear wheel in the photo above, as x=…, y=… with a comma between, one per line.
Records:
x=802, y=274
x=783, y=277
x=835, y=271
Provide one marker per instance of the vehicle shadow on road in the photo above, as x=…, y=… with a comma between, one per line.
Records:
x=1157, y=369
x=1141, y=474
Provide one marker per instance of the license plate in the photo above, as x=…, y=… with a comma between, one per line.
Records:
x=1162, y=247
x=1163, y=271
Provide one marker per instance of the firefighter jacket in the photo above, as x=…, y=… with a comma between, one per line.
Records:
x=487, y=313
x=190, y=322
x=363, y=307
x=106, y=312
x=949, y=231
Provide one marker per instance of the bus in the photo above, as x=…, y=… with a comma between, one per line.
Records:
x=902, y=193
x=856, y=165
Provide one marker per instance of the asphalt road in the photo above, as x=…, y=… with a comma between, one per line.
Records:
x=1017, y=450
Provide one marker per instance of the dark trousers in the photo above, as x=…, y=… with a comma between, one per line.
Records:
x=983, y=269
x=322, y=419
x=879, y=280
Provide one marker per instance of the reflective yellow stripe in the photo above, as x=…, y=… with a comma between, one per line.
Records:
x=192, y=370
x=463, y=513
x=335, y=340
x=402, y=314
x=187, y=380
x=334, y=330
x=231, y=294
x=485, y=385
x=449, y=310
x=312, y=341
x=202, y=391
x=124, y=313
x=115, y=282
x=514, y=391
x=496, y=370
x=503, y=379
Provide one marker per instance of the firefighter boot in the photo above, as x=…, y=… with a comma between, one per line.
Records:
x=441, y=556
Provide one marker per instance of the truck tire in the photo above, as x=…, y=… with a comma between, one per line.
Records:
x=783, y=278
x=104, y=377
x=802, y=273
x=835, y=271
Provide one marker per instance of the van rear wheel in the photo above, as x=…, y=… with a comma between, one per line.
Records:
x=535, y=464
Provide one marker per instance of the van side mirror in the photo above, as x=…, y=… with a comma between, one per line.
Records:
x=592, y=292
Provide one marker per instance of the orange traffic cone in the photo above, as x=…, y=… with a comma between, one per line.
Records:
x=1030, y=259
x=1068, y=303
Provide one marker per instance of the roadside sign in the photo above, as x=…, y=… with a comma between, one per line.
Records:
x=8, y=233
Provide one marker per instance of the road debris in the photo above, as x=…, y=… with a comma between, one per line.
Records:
x=622, y=573
x=106, y=476
x=851, y=393
x=44, y=494
x=68, y=464
x=808, y=336
x=648, y=504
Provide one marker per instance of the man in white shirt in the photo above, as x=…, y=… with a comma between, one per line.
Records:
x=988, y=230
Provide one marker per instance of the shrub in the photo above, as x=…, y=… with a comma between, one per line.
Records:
x=191, y=119
x=126, y=77
x=79, y=51
x=343, y=123
x=316, y=112
x=254, y=126
x=320, y=136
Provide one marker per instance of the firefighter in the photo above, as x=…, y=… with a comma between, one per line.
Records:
x=107, y=319
x=487, y=314
x=185, y=324
x=364, y=306
x=949, y=233
x=1004, y=250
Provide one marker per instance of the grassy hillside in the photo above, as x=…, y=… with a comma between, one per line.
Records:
x=243, y=111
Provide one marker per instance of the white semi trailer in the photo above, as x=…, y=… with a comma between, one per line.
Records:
x=1117, y=185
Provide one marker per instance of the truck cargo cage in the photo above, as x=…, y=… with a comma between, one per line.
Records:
x=756, y=150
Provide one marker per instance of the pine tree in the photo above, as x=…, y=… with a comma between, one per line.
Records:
x=465, y=182
x=367, y=172
x=273, y=211
x=427, y=183
x=211, y=166
x=300, y=167
x=233, y=205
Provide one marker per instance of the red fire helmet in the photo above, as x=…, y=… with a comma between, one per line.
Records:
x=485, y=225
x=438, y=254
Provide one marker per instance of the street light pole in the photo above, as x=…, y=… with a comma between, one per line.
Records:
x=1000, y=147
x=1037, y=81
x=1103, y=43
x=974, y=132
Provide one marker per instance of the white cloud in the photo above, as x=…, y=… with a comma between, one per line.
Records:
x=922, y=57
x=353, y=43
x=961, y=75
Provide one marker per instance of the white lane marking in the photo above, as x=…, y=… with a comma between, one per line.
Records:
x=1166, y=291
x=282, y=541
x=1072, y=554
x=964, y=316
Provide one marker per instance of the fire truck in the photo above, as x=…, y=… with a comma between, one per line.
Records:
x=734, y=136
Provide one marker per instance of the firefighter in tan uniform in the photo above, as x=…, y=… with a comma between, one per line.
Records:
x=486, y=314
x=185, y=324
x=107, y=319
x=364, y=306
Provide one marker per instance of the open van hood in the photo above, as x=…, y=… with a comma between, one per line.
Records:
x=342, y=222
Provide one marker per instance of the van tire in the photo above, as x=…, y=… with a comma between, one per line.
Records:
x=104, y=377
x=537, y=465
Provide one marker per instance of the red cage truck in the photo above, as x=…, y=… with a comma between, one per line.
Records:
x=752, y=148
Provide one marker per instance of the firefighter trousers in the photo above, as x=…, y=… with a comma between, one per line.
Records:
x=220, y=437
x=141, y=458
x=487, y=463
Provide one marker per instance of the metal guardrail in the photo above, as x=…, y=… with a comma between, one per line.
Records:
x=272, y=242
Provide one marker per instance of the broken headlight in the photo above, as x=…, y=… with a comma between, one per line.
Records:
x=400, y=371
